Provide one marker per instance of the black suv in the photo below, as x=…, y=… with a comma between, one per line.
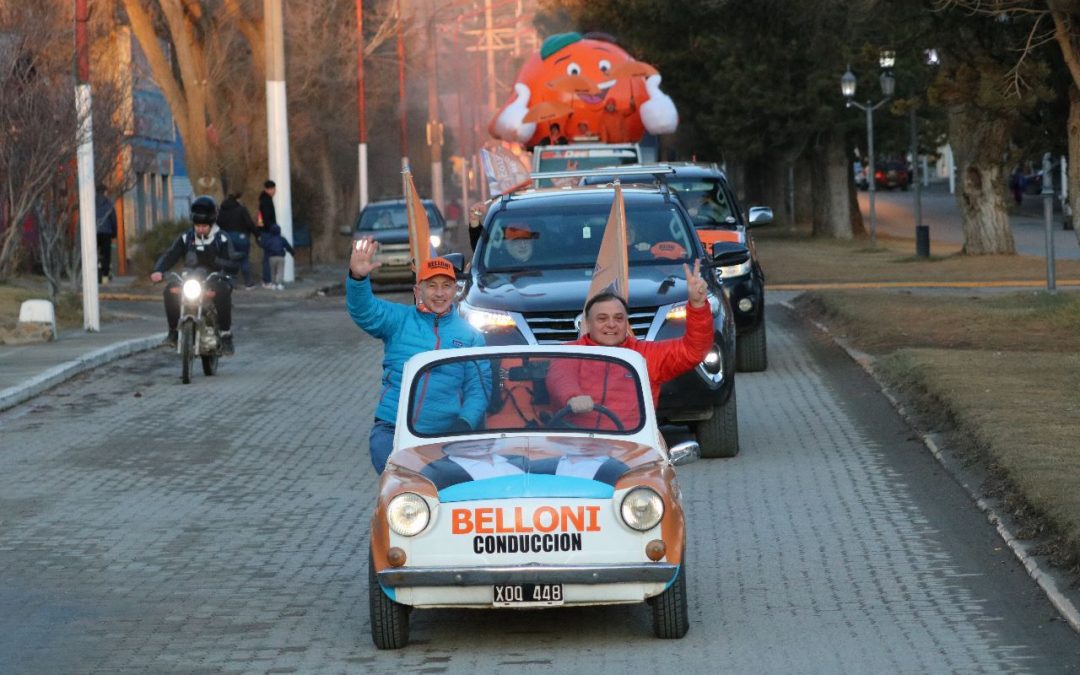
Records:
x=539, y=300
x=708, y=197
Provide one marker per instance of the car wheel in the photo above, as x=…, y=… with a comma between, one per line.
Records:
x=187, y=351
x=719, y=435
x=389, y=619
x=671, y=618
x=750, y=353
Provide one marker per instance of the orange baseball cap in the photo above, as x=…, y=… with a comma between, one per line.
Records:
x=519, y=231
x=435, y=267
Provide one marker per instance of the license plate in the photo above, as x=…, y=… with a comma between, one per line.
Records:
x=396, y=260
x=525, y=595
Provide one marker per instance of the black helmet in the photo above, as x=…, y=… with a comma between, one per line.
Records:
x=204, y=211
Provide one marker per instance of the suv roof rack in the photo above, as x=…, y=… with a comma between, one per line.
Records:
x=613, y=171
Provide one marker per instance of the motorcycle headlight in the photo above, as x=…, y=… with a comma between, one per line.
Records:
x=487, y=319
x=642, y=509
x=192, y=289
x=735, y=270
x=436, y=240
x=408, y=514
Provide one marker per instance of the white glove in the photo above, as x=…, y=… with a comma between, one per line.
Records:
x=658, y=114
x=509, y=125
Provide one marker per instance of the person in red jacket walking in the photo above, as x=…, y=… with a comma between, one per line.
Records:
x=582, y=384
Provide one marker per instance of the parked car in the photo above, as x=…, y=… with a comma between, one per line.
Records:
x=705, y=192
x=388, y=223
x=539, y=301
x=859, y=170
x=891, y=175
x=528, y=510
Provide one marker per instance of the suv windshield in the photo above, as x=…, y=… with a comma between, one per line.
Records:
x=704, y=199
x=464, y=395
x=392, y=217
x=561, y=237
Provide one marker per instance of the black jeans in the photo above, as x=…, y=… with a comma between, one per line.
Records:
x=222, y=302
x=104, y=255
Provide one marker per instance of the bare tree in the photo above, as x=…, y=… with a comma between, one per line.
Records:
x=38, y=124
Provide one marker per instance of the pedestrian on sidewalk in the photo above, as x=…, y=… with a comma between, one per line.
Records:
x=235, y=220
x=274, y=247
x=267, y=218
x=105, y=212
x=433, y=323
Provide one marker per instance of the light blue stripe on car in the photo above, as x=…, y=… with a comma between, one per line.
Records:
x=527, y=485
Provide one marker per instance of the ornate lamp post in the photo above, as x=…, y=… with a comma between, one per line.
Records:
x=888, y=85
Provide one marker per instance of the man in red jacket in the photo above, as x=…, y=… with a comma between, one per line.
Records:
x=582, y=384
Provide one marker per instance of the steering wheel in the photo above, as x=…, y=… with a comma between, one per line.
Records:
x=603, y=410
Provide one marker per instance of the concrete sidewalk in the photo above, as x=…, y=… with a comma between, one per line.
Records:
x=27, y=370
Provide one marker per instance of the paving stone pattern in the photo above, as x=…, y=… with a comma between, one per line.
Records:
x=148, y=526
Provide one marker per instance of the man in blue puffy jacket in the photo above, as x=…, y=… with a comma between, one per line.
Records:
x=433, y=323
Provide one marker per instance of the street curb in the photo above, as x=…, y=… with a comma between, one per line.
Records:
x=1049, y=587
x=13, y=396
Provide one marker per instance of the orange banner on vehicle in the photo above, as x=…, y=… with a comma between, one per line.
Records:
x=612, y=271
x=419, y=228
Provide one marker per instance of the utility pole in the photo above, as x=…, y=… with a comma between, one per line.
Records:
x=277, y=123
x=434, y=126
x=361, y=102
x=85, y=166
x=401, y=86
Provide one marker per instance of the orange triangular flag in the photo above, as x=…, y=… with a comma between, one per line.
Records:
x=612, y=271
x=419, y=230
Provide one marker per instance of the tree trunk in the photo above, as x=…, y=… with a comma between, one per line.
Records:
x=804, y=192
x=775, y=192
x=832, y=185
x=1073, y=128
x=979, y=142
x=326, y=236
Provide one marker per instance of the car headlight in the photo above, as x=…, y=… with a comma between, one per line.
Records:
x=436, y=240
x=192, y=289
x=642, y=509
x=735, y=270
x=408, y=514
x=678, y=311
x=487, y=319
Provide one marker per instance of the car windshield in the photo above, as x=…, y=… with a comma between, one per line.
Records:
x=704, y=200
x=392, y=217
x=464, y=395
x=569, y=237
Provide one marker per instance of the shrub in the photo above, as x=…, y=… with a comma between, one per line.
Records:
x=151, y=244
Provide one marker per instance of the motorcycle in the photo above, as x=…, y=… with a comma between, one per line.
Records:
x=199, y=334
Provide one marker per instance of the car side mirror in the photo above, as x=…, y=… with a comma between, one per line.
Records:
x=458, y=261
x=684, y=453
x=728, y=254
x=759, y=215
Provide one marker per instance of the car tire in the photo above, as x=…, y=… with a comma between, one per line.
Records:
x=187, y=351
x=671, y=616
x=750, y=350
x=718, y=436
x=389, y=619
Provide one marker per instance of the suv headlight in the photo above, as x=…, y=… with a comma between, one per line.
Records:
x=734, y=270
x=642, y=509
x=192, y=289
x=678, y=310
x=436, y=240
x=487, y=319
x=408, y=514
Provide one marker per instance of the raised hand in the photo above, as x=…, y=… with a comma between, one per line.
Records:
x=156, y=277
x=362, y=259
x=510, y=125
x=696, y=288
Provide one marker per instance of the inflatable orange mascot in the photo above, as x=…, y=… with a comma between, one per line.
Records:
x=584, y=88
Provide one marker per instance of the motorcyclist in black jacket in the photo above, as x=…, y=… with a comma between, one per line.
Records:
x=205, y=246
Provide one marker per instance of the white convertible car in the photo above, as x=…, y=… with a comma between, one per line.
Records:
x=499, y=495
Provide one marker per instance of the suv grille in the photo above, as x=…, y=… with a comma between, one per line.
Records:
x=555, y=327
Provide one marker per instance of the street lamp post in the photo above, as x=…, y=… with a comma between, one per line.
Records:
x=847, y=87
